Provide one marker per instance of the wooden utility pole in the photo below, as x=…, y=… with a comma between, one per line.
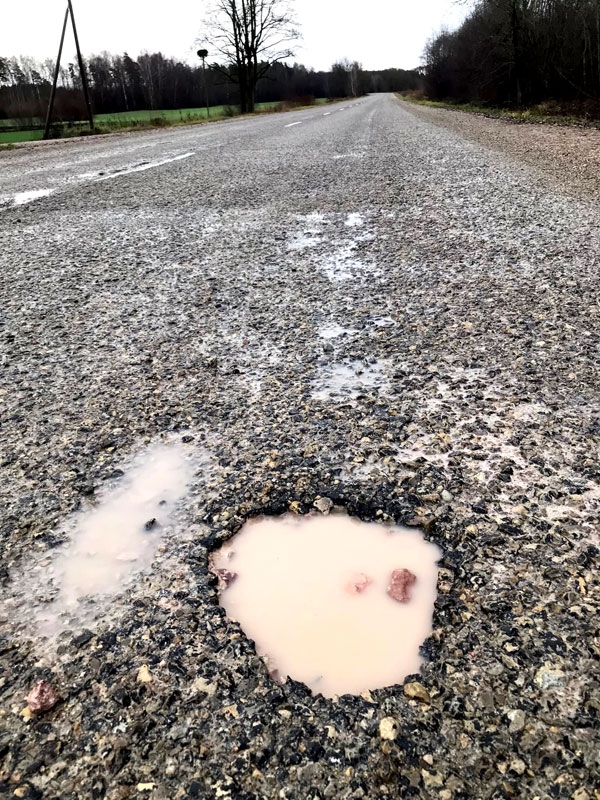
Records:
x=84, y=83
x=82, y=73
x=55, y=80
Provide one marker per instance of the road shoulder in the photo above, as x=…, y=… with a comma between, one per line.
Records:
x=567, y=158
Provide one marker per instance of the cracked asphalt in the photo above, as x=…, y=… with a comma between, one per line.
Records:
x=349, y=302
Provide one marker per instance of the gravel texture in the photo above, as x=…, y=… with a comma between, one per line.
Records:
x=228, y=299
x=565, y=157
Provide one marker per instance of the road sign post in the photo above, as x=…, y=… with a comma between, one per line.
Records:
x=203, y=54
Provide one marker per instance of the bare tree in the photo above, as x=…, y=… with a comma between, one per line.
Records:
x=347, y=77
x=250, y=36
x=520, y=52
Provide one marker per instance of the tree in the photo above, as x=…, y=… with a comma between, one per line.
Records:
x=346, y=77
x=118, y=83
x=520, y=52
x=251, y=36
x=4, y=72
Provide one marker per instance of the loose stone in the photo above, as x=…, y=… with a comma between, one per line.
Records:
x=42, y=698
x=388, y=728
x=400, y=583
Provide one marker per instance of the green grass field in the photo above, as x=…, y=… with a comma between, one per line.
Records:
x=182, y=115
x=8, y=137
x=130, y=120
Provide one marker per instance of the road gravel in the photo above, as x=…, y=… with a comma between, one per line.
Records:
x=566, y=158
x=365, y=307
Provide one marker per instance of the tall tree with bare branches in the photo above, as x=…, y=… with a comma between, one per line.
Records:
x=250, y=36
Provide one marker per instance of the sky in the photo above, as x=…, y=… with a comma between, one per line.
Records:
x=378, y=33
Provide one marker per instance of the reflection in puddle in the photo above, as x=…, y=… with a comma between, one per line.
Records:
x=316, y=594
x=349, y=380
x=117, y=539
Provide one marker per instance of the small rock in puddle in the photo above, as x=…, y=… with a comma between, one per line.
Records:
x=340, y=605
x=400, y=583
x=358, y=583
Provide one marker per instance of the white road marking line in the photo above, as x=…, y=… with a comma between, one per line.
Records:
x=327, y=113
x=26, y=197
x=291, y=125
x=143, y=167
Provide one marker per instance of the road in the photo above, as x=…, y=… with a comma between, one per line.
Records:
x=349, y=302
x=62, y=166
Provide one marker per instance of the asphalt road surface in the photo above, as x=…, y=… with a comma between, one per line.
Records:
x=347, y=302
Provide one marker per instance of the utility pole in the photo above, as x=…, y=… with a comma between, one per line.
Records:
x=84, y=83
x=203, y=54
x=55, y=80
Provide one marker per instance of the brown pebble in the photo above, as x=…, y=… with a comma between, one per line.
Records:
x=42, y=698
x=400, y=583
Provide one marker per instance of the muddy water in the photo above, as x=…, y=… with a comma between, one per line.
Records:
x=312, y=594
x=117, y=539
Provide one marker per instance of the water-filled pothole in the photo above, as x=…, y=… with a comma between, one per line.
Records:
x=329, y=600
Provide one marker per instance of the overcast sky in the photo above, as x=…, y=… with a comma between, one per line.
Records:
x=378, y=33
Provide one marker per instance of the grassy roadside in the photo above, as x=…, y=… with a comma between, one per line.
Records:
x=541, y=114
x=126, y=121
x=9, y=137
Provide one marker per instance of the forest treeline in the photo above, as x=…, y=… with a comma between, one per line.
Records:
x=520, y=53
x=154, y=81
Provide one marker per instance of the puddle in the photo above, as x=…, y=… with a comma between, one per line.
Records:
x=26, y=197
x=302, y=241
x=312, y=593
x=356, y=154
x=332, y=331
x=114, y=541
x=354, y=220
x=349, y=380
x=313, y=222
x=341, y=266
x=383, y=322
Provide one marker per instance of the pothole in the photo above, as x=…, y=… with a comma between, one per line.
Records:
x=340, y=605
